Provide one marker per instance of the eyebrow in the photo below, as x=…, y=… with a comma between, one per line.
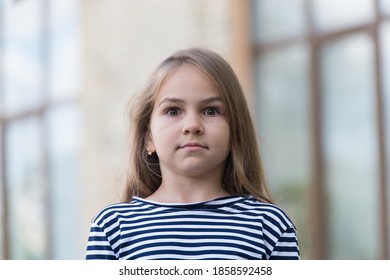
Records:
x=181, y=101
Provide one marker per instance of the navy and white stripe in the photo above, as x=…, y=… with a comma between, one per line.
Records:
x=225, y=228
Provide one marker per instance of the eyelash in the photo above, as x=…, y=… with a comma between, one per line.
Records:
x=169, y=110
x=216, y=111
x=177, y=111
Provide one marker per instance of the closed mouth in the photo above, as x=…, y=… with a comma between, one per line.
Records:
x=193, y=145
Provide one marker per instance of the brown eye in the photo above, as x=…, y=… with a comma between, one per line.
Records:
x=173, y=112
x=212, y=111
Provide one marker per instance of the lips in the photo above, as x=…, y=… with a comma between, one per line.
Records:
x=193, y=146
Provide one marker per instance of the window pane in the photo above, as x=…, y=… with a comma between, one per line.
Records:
x=385, y=40
x=64, y=145
x=22, y=55
x=26, y=190
x=350, y=148
x=282, y=109
x=336, y=14
x=385, y=6
x=277, y=19
x=64, y=48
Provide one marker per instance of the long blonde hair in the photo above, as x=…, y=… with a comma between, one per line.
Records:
x=243, y=174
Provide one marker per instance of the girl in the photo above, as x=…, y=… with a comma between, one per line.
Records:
x=196, y=187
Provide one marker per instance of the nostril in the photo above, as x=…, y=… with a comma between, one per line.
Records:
x=195, y=129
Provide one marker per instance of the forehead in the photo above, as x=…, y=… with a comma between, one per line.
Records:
x=186, y=82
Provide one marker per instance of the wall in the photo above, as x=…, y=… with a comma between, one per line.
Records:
x=122, y=42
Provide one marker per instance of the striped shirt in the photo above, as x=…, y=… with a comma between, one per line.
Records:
x=228, y=228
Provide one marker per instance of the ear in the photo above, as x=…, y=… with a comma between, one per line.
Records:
x=149, y=144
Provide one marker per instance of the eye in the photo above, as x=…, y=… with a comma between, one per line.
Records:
x=211, y=111
x=172, y=111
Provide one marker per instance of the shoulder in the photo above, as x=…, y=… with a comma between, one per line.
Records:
x=269, y=213
x=116, y=210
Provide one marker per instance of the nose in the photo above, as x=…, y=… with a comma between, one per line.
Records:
x=192, y=124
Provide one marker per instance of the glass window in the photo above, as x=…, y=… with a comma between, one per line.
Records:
x=278, y=19
x=336, y=14
x=282, y=110
x=41, y=69
x=385, y=6
x=23, y=70
x=64, y=55
x=385, y=44
x=64, y=144
x=350, y=148
x=26, y=190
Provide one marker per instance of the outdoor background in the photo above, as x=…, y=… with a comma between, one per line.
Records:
x=317, y=77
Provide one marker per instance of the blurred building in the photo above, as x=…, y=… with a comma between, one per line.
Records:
x=317, y=76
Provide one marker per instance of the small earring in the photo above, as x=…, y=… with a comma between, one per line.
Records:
x=150, y=153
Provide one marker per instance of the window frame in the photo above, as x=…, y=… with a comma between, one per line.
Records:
x=40, y=111
x=314, y=41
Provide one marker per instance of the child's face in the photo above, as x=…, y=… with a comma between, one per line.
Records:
x=188, y=127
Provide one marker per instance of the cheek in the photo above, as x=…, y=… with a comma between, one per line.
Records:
x=162, y=135
x=222, y=133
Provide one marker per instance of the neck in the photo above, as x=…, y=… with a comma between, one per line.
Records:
x=188, y=190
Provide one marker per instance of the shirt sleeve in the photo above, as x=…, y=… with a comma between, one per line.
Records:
x=286, y=247
x=98, y=246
